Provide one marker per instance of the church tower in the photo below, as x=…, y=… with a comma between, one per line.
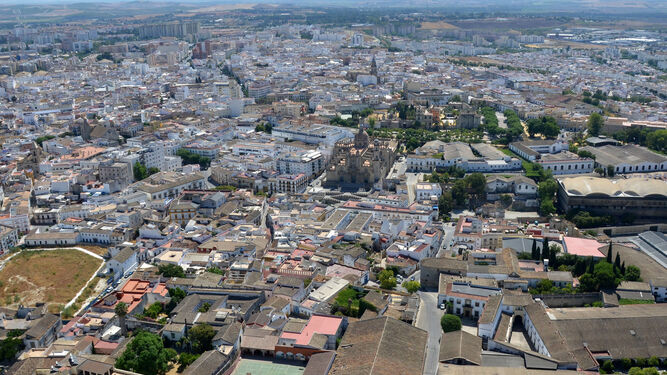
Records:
x=374, y=67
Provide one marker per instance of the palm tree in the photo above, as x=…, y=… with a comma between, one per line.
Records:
x=121, y=311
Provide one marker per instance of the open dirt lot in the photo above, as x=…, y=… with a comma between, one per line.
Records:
x=53, y=277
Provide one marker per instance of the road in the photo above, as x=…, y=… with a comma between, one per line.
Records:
x=411, y=181
x=501, y=120
x=316, y=185
x=449, y=235
x=428, y=319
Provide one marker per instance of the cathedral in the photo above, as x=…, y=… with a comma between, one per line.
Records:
x=360, y=162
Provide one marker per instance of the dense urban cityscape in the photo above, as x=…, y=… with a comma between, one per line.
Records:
x=345, y=189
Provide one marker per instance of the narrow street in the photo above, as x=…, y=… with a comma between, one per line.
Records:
x=428, y=319
x=449, y=234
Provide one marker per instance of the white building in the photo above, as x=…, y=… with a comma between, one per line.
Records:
x=312, y=134
x=467, y=297
x=427, y=191
x=566, y=162
x=328, y=289
x=288, y=183
x=8, y=238
x=309, y=163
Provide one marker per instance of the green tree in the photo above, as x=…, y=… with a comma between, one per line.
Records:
x=450, y=323
x=9, y=348
x=146, y=355
x=587, y=283
x=387, y=279
x=121, y=311
x=201, y=337
x=604, y=275
x=40, y=140
x=534, y=252
x=625, y=363
x=544, y=286
x=153, y=310
x=545, y=249
x=633, y=273
x=653, y=361
x=547, y=189
x=595, y=124
x=411, y=286
x=506, y=200
x=204, y=307
x=176, y=294
x=459, y=193
x=585, y=154
x=185, y=360
x=139, y=171
x=533, y=127
x=610, y=171
x=550, y=128
x=171, y=270
x=445, y=203
x=547, y=207
x=477, y=186
x=657, y=140
x=192, y=158
x=617, y=262
x=607, y=367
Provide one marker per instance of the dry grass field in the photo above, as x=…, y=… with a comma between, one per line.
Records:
x=440, y=25
x=557, y=43
x=53, y=277
x=99, y=250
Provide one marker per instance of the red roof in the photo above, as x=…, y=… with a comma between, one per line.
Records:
x=325, y=325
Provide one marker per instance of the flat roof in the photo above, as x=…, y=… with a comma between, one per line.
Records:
x=626, y=154
x=582, y=247
x=324, y=325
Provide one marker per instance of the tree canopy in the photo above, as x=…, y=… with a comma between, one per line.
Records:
x=146, y=355
x=546, y=126
x=192, y=158
x=171, y=270
x=201, y=337
x=411, y=286
x=595, y=124
x=387, y=279
x=450, y=323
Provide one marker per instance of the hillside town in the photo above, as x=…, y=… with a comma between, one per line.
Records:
x=193, y=195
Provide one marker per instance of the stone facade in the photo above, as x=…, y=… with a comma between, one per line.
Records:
x=361, y=162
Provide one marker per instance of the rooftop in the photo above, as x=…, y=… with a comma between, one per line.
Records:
x=381, y=346
x=317, y=324
x=582, y=247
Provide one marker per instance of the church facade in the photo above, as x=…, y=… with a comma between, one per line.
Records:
x=360, y=162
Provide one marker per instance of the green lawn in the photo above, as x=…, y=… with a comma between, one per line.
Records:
x=625, y=301
x=508, y=152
